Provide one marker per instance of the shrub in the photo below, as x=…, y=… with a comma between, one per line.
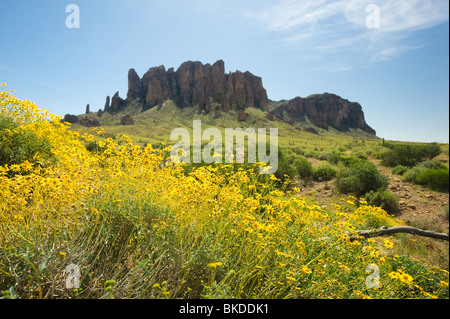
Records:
x=285, y=166
x=361, y=155
x=304, y=168
x=298, y=150
x=360, y=179
x=399, y=170
x=324, y=172
x=323, y=157
x=334, y=158
x=350, y=161
x=383, y=199
x=409, y=155
x=433, y=164
x=435, y=179
x=411, y=175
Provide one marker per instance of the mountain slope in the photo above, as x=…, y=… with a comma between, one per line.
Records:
x=209, y=89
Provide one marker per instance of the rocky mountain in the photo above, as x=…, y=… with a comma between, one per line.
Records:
x=212, y=90
x=324, y=110
x=195, y=83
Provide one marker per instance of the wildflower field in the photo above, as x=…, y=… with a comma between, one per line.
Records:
x=136, y=225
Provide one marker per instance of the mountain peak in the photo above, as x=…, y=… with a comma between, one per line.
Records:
x=205, y=85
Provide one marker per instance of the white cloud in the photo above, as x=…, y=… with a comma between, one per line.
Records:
x=399, y=16
x=320, y=28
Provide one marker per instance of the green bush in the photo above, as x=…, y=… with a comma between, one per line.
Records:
x=435, y=179
x=433, y=164
x=408, y=154
x=361, y=155
x=18, y=145
x=324, y=172
x=285, y=165
x=334, y=158
x=383, y=199
x=360, y=179
x=411, y=175
x=304, y=168
x=399, y=170
x=349, y=161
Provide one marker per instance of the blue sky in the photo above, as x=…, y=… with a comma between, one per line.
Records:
x=398, y=70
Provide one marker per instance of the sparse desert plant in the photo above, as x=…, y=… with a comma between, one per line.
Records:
x=361, y=155
x=383, y=199
x=360, y=179
x=411, y=174
x=324, y=172
x=304, y=168
x=435, y=179
x=334, y=158
x=399, y=170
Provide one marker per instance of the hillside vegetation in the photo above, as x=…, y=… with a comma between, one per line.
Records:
x=120, y=221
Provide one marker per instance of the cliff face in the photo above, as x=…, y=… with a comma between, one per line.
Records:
x=325, y=110
x=215, y=91
x=194, y=83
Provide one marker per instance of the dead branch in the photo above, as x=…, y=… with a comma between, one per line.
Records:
x=382, y=231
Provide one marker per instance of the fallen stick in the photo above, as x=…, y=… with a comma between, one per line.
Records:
x=382, y=231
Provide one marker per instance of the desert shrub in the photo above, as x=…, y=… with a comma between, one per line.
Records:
x=435, y=179
x=399, y=170
x=378, y=154
x=361, y=155
x=311, y=154
x=298, y=150
x=304, y=168
x=285, y=165
x=360, y=179
x=409, y=155
x=324, y=172
x=433, y=164
x=334, y=158
x=411, y=175
x=323, y=157
x=383, y=199
x=348, y=161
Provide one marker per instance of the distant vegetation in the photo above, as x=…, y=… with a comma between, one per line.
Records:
x=409, y=155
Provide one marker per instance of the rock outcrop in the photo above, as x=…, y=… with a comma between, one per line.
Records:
x=209, y=87
x=243, y=116
x=117, y=103
x=69, y=118
x=324, y=110
x=107, y=104
x=89, y=121
x=195, y=83
x=127, y=120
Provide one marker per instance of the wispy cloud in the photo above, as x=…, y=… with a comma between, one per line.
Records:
x=339, y=29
